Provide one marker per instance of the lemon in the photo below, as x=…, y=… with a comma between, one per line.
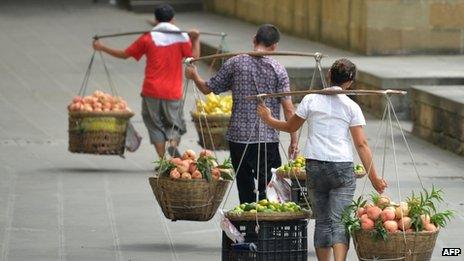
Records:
x=215, y=105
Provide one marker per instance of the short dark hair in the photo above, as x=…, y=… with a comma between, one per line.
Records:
x=164, y=13
x=341, y=71
x=267, y=34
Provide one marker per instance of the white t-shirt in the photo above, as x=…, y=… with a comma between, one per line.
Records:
x=329, y=119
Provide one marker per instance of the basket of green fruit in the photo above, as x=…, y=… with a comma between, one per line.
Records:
x=296, y=169
x=359, y=171
x=265, y=210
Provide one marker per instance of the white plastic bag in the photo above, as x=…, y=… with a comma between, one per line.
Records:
x=278, y=189
x=230, y=230
x=133, y=138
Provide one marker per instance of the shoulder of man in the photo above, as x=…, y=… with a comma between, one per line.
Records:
x=276, y=64
x=235, y=60
x=240, y=57
x=146, y=36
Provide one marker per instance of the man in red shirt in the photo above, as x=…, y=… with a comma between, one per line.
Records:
x=162, y=86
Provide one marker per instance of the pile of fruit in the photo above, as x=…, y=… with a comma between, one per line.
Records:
x=359, y=169
x=215, y=105
x=298, y=166
x=266, y=206
x=294, y=166
x=383, y=216
x=99, y=102
x=189, y=166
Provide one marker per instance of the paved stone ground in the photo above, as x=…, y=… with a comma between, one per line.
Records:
x=55, y=205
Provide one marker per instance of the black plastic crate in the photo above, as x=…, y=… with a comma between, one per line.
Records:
x=299, y=194
x=275, y=241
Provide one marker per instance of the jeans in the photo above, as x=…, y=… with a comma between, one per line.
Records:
x=331, y=187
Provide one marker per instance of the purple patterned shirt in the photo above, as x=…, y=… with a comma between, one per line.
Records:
x=245, y=75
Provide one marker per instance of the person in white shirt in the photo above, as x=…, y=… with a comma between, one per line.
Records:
x=333, y=121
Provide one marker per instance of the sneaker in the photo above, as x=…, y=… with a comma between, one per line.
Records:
x=173, y=152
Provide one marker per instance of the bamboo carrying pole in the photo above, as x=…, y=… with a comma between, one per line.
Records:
x=256, y=53
x=159, y=31
x=327, y=92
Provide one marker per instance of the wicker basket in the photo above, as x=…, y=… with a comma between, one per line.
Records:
x=195, y=200
x=216, y=125
x=418, y=247
x=101, y=133
x=276, y=216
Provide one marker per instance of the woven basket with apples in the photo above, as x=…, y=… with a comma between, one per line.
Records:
x=387, y=230
x=191, y=187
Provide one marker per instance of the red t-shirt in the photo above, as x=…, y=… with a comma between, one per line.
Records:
x=163, y=71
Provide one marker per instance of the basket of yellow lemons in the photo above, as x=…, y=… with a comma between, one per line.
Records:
x=211, y=119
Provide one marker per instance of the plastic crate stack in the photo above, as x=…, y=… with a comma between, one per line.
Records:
x=275, y=240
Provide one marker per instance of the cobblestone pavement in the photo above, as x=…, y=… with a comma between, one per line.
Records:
x=55, y=205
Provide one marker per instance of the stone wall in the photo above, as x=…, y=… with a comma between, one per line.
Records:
x=376, y=104
x=365, y=26
x=438, y=115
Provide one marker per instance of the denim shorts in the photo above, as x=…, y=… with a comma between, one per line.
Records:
x=331, y=187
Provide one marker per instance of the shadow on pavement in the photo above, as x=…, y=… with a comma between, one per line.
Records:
x=179, y=248
x=74, y=170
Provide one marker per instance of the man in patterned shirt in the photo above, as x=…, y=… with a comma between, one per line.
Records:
x=246, y=75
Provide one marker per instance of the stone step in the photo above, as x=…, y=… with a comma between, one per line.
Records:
x=438, y=115
x=147, y=6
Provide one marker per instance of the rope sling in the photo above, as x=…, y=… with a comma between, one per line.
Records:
x=85, y=81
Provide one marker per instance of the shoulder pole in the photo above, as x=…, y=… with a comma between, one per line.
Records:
x=327, y=92
x=159, y=31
